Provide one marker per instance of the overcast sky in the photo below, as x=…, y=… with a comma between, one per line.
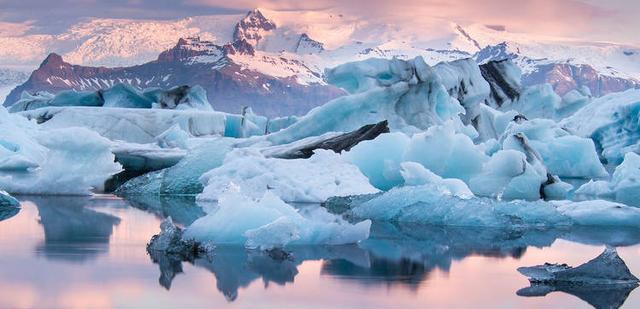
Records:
x=605, y=20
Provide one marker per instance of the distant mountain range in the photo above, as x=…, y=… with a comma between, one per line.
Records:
x=275, y=61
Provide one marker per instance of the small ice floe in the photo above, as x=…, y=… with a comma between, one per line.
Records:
x=603, y=282
x=9, y=206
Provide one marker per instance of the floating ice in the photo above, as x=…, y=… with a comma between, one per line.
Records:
x=7, y=200
x=60, y=161
x=183, y=177
x=269, y=222
x=9, y=206
x=427, y=204
x=414, y=174
x=120, y=95
x=624, y=185
x=408, y=94
x=612, y=122
x=315, y=179
x=563, y=154
x=171, y=242
x=607, y=268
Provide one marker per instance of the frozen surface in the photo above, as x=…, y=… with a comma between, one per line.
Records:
x=57, y=161
x=269, y=222
x=414, y=174
x=316, y=179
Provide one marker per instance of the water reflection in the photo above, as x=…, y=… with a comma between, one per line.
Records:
x=612, y=296
x=182, y=209
x=73, y=232
x=395, y=254
x=400, y=265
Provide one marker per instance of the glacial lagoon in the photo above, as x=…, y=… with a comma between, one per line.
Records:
x=89, y=252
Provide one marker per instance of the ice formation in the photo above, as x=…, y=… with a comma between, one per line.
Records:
x=9, y=206
x=624, y=186
x=120, y=95
x=268, y=222
x=607, y=268
x=7, y=200
x=170, y=242
x=612, y=122
x=430, y=204
x=57, y=161
x=408, y=94
x=315, y=179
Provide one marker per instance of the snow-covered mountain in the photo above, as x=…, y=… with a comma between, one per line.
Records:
x=295, y=48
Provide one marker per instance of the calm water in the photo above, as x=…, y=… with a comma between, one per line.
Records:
x=90, y=253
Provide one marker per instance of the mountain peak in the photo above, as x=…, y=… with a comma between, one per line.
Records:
x=253, y=27
x=52, y=59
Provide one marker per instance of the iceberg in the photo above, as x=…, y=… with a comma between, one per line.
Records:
x=408, y=94
x=464, y=81
x=268, y=222
x=428, y=204
x=170, y=242
x=9, y=206
x=57, y=161
x=120, y=95
x=624, y=186
x=182, y=178
x=612, y=122
x=316, y=179
x=563, y=154
x=603, y=282
x=607, y=268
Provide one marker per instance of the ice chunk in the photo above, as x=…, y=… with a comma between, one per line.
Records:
x=465, y=82
x=445, y=152
x=380, y=159
x=625, y=182
x=624, y=185
x=121, y=95
x=508, y=175
x=182, y=178
x=138, y=125
x=171, y=242
x=315, y=179
x=174, y=137
x=538, y=101
x=269, y=222
x=504, y=78
x=612, y=122
x=61, y=161
x=8, y=200
x=427, y=204
x=607, y=268
x=414, y=174
x=563, y=154
x=9, y=206
x=408, y=94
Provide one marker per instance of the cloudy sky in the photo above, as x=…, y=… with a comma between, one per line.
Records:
x=610, y=20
